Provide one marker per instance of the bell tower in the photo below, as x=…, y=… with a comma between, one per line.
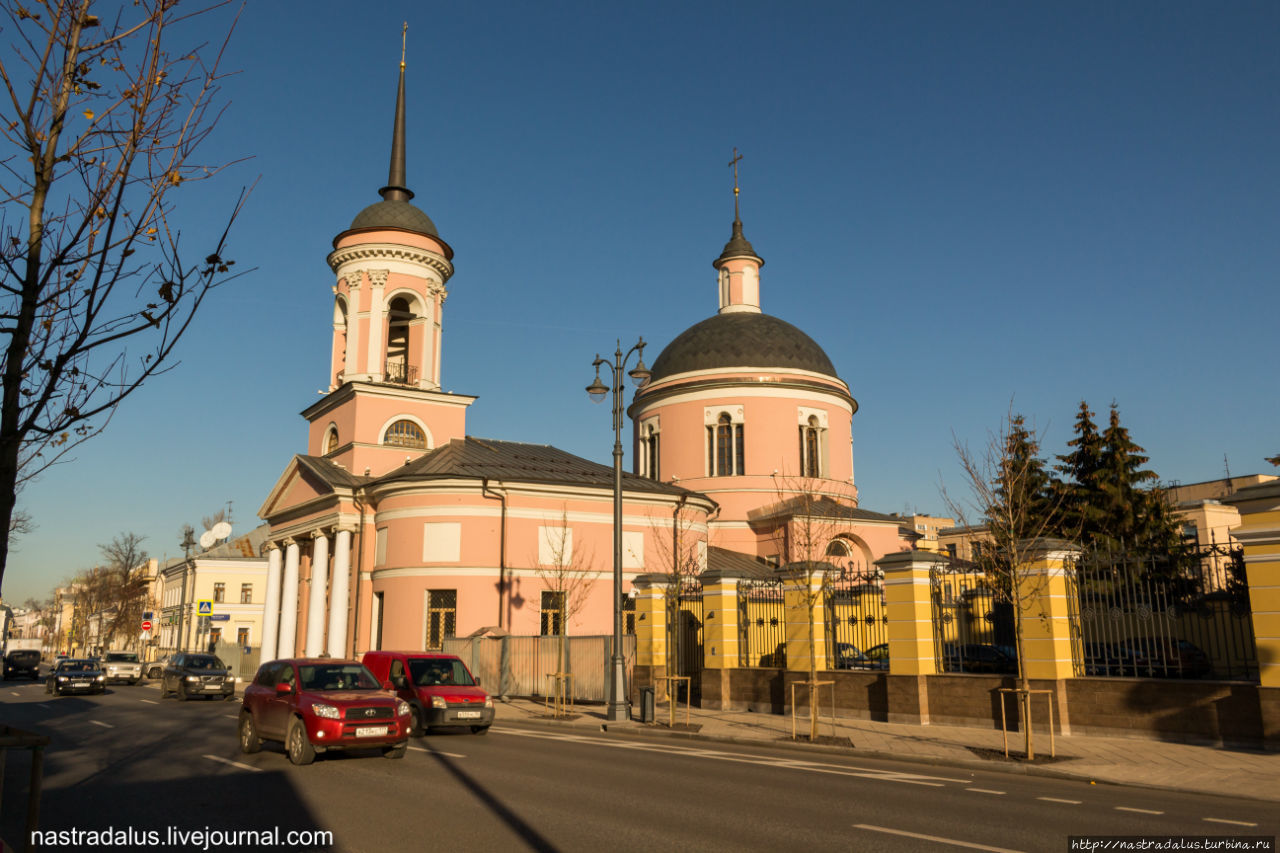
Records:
x=391, y=267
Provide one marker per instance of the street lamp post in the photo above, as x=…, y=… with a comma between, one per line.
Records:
x=618, y=705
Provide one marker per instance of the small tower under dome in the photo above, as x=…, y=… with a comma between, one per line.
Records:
x=384, y=404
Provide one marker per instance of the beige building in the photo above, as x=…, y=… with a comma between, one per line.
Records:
x=927, y=528
x=229, y=580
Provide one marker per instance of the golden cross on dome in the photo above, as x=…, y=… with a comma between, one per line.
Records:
x=404, y=40
x=734, y=164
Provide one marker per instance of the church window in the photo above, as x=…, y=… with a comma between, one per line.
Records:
x=442, y=616
x=649, y=438
x=405, y=434
x=399, y=316
x=552, y=613
x=811, y=448
x=331, y=441
x=725, y=447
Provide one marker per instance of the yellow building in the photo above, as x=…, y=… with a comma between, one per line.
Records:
x=230, y=580
x=927, y=528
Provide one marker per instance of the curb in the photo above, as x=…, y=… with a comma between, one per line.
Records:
x=653, y=731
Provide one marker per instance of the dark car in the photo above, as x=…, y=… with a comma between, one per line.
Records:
x=979, y=658
x=76, y=675
x=22, y=662
x=849, y=656
x=187, y=675
x=316, y=705
x=439, y=688
x=1165, y=657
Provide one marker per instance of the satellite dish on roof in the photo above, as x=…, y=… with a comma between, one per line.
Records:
x=221, y=530
x=207, y=539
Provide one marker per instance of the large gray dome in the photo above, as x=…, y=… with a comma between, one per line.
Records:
x=741, y=339
x=394, y=214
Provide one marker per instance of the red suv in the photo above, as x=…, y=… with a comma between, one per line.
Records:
x=439, y=688
x=313, y=706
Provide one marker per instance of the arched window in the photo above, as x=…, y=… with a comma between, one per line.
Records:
x=331, y=440
x=838, y=548
x=724, y=447
x=339, y=339
x=400, y=368
x=811, y=448
x=405, y=434
x=649, y=451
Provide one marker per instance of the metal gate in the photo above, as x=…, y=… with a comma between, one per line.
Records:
x=762, y=624
x=973, y=621
x=684, y=636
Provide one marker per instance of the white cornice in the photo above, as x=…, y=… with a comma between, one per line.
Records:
x=737, y=390
x=347, y=390
x=389, y=254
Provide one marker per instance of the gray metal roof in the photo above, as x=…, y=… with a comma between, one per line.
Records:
x=514, y=461
x=822, y=507
x=743, y=565
x=391, y=213
x=741, y=340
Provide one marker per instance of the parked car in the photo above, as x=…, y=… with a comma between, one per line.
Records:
x=1166, y=657
x=879, y=656
x=312, y=706
x=849, y=656
x=22, y=662
x=122, y=666
x=187, y=675
x=155, y=669
x=76, y=675
x=979, y=658
x=439, y=689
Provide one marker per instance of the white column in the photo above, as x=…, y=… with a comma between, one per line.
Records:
x=377, y=325
x=271, y=616
x=315, y=604
x=338, y=599
x=287, y=646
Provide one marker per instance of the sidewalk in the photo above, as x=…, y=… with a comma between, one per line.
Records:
x=1127, y=761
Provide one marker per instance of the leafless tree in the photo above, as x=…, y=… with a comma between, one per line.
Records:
x=1006, y=497
x=100, y=119
x=125, y=563
x=810, y=514
x=568, y=573
x=680, y=559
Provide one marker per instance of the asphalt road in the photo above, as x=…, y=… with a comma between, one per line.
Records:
x=132, y=762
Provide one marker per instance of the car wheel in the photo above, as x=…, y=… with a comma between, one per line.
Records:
x=48, y=688
x=415, y=721
x=297, y=745
x=249, y=740
x=479, y=730
x=182, y=691
x=396, y=751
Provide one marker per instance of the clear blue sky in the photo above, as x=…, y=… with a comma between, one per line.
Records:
x=963, y=203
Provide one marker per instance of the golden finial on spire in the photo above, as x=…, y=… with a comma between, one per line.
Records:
x=734, y=164
x=404, y=41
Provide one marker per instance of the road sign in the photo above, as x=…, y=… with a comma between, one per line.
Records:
x=220, y=617
x=146, y=624
x=204, y=608
x=147, y=615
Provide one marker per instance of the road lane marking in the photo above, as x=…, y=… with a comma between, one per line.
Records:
x=232, y=716
x=14, y=693
x=228, y=761
x=1056, y=800
x=149, y=701
x=42, y=705
x=1139, y=811
x=436, y=752
x=985, y=791
x=937, y=838
x=1232, y=822
x=790, y=764
x=100, y=723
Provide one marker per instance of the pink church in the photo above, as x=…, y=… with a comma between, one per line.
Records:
x=396, y=529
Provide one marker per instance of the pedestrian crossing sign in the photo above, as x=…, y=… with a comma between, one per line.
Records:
x=204, y=608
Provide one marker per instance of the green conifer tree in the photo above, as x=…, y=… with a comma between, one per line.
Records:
x=1137, y=514
x=1082, y=515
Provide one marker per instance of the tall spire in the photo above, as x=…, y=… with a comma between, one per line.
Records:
x=395, y=190
x=738, y=245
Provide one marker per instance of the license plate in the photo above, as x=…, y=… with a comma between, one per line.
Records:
x=79, y=684
x=371, y=731
x=468, y=715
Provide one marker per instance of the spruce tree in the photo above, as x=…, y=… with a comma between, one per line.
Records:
x=1137, y=514
x=1082, y=514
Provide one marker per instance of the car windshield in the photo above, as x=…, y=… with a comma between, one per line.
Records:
x=203, y=662
x=430, y=671
x=72, y=665
x=336, y=676
x=121, y=657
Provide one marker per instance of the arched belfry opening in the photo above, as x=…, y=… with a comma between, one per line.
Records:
x=404, y=325
x=340, y=330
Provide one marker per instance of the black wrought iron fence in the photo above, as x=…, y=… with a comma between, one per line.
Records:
x=1181, y=612
x=973, y=621
x=857, y=620
x=762, y=624
x=684, y=628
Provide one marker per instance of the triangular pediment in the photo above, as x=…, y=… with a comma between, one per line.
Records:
x=300, y=484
